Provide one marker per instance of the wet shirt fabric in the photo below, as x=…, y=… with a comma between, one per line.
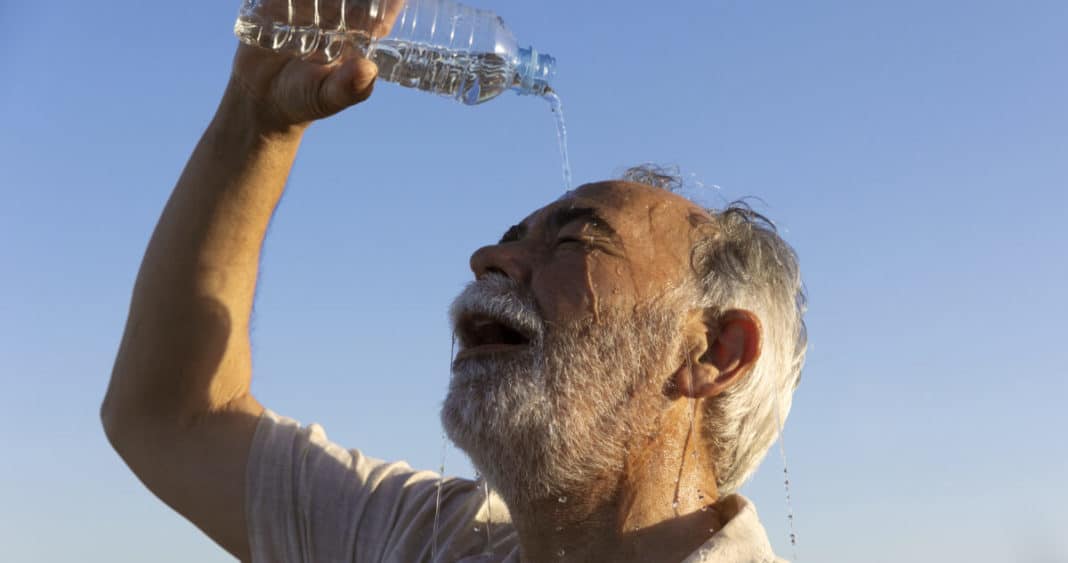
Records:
x=309, y=500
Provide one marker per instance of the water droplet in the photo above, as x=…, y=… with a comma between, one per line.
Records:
x=675, y=505
x=704, y=509
x=477, y=529
x=560, y=553
x=562, y=500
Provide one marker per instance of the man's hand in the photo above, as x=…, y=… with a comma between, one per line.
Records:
x=289, y=92
x=285, y=92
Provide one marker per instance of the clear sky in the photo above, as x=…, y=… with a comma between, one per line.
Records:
x=914, y=152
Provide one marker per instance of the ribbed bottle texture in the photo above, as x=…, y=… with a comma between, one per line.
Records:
x=434, y=45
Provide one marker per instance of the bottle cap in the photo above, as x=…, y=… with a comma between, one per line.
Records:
x=536, y=72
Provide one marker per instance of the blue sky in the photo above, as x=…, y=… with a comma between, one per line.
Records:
x=915, y=154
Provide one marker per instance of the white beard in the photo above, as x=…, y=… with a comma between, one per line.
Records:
x=561, y=413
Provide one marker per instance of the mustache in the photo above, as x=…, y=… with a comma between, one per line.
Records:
x=502, y=299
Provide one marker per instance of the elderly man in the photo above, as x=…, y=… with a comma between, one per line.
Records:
x=626, y=358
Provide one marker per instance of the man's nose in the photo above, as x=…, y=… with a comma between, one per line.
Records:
x=504, y=259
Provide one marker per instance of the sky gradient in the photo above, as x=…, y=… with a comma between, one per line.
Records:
x=914, y=153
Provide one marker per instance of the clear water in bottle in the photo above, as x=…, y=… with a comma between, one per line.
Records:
x=434, y=45
x=470, y=78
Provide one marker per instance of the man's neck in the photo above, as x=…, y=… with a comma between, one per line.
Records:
x=661, y=508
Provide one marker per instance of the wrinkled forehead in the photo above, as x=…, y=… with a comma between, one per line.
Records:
x=634, y=210
x=655, y=227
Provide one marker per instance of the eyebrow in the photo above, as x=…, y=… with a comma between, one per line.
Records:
x=597, y=224
x=561, y=217
x=514, y=233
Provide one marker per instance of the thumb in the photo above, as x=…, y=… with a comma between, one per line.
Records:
x=349, y=84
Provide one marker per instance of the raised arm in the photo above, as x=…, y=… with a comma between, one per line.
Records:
x=178, y=409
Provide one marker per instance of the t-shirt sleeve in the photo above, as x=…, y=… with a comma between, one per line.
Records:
x=310, y=500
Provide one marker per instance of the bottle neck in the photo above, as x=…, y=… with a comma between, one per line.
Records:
x=534, y=73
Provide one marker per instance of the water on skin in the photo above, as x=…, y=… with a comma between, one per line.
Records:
x=682, y=462
x=695, y=432
x=592, y=292
x=561, y=135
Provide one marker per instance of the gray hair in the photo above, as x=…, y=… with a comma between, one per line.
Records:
x=741, y=262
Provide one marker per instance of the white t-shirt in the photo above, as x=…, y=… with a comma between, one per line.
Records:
x=309, y=500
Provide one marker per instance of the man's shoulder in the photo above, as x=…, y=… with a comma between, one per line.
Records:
x=342, y=500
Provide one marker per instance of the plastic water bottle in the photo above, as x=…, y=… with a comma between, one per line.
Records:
x=437, y=46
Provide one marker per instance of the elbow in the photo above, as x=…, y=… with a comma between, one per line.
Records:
x=127, y=412
x=120, y=421
x=115, y=407
x=132, y=418
x=111, y=421
x=128, y=431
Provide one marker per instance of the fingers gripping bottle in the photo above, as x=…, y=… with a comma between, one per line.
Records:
x=437, y=46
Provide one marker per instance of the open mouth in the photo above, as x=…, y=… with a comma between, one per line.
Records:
x=482, y=334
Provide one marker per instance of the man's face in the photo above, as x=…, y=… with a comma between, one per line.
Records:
x=568, y=336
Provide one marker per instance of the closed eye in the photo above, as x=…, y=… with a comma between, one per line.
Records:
x=591, y=243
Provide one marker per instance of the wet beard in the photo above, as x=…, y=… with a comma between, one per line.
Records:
x=559, y=415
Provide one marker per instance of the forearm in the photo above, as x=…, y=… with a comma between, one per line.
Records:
x=185, y=351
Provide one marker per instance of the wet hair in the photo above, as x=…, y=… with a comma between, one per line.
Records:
x=739, y=261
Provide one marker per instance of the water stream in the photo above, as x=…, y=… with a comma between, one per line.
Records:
x=489, y=515
x=437, y=500
x=786, y=482
x=441, y=470
x=557, y=107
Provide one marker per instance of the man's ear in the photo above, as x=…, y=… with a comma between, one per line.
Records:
x=721, y=350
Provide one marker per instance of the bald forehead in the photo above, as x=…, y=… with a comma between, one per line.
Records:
x=641, y=206
x=621, y=194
